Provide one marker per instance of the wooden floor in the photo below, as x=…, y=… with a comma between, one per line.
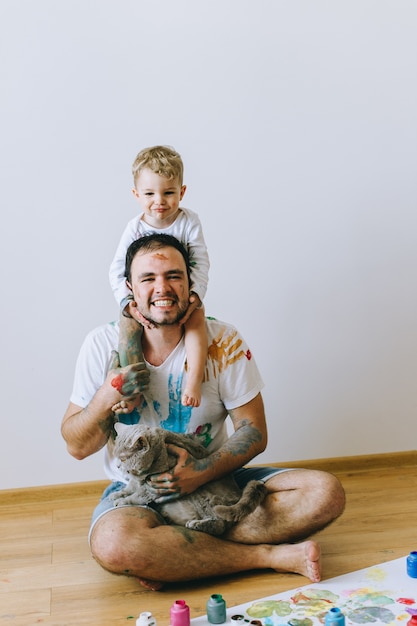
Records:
x=47, y=575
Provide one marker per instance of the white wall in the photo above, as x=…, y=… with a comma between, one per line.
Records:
x=297, y=124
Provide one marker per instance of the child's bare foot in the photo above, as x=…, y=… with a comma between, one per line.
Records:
x=191, y=396
x=300, y=558
x=126, y=406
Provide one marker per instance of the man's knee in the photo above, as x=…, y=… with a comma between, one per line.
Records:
x=107, y=547
x=121, y=537
x=323, y=491
x=331, y=494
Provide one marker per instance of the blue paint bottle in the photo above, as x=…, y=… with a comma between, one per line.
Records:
x=216, y=609
x=412, y=564
x=334, y=617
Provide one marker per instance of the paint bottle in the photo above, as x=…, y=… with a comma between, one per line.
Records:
x=216, y=609
x=334, y=617
x=180, y=613
x=146, y=619
x=412, y=564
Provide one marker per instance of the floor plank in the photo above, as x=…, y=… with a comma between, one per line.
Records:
x=47, y=575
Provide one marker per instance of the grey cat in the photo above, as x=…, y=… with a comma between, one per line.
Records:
x=212, y=508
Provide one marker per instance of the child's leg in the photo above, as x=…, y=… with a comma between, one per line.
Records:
x=130, y=341
x=196, y=346
x=130, y=352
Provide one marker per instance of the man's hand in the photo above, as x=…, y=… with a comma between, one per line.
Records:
x=129, y=381
x=184, y=478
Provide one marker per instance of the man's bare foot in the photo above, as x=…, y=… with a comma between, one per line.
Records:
x=151, y=585
x=300, y=558
x=126, y=406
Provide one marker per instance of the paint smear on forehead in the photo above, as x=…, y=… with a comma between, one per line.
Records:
x=159, y=255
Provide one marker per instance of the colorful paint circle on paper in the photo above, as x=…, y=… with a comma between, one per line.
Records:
x=266, y=608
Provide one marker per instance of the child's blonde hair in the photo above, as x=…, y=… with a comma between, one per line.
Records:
x=162, y=160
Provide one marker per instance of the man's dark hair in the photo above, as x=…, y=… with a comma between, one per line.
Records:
x=154, y=241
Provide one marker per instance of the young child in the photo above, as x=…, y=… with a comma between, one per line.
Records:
x=159, y=189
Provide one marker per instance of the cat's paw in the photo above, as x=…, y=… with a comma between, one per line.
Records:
x=116, y=501
x=209, y=525
x=118, y=498
x=226, y=512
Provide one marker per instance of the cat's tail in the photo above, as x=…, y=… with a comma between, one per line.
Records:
x=252, y=495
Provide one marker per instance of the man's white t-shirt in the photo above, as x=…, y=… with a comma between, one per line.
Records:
x=231, y=380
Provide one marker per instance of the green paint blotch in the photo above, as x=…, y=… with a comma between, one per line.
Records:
x=300, y=622
x=267, y=608
x=370, y=614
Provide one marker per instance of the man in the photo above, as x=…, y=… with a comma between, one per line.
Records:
x=135, y=540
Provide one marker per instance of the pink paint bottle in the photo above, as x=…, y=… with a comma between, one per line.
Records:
x=180, y=613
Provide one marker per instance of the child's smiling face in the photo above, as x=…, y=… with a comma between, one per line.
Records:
x=159, y=197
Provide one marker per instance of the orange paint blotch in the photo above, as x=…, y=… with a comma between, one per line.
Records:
x=224, y=350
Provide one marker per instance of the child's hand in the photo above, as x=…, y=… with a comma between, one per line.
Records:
x=195, y=303
x=135, y=313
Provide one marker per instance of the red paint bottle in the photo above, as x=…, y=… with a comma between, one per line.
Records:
x=180, y=613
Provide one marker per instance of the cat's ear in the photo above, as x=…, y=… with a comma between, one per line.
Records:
x=119, y=427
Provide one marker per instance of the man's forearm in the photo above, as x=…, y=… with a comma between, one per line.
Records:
x=87, y=430
x=248, y=440
x=241, y=447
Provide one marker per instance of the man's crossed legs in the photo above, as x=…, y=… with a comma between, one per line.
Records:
x=135, y=541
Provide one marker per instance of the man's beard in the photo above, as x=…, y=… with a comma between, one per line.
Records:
x=182, y=309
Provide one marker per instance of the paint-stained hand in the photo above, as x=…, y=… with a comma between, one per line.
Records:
x=129, y=381
x=165, y=493
x=184, y=478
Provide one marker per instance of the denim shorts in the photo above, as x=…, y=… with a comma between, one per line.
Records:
x=242, y=476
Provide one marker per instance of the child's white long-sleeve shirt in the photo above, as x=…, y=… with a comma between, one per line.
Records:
x=187, y=228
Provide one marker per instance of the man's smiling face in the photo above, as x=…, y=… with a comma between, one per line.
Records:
x=160, y=285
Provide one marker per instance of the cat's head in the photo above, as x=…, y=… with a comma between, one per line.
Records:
x=139, y=448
